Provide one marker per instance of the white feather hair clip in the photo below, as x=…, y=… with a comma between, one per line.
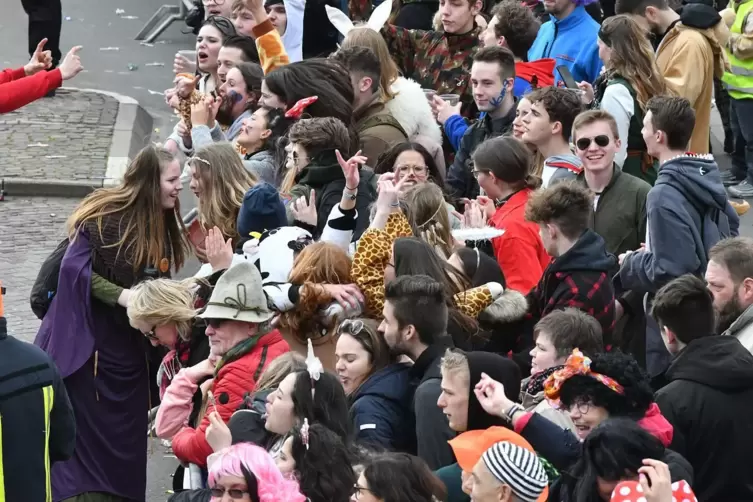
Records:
x=313, y=366
x=379, y=16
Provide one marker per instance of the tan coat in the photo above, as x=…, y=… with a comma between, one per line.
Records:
x=689, y=58
x=377, y=137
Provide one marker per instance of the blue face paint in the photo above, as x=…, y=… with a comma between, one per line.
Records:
x=233, y=96
x=497, y=102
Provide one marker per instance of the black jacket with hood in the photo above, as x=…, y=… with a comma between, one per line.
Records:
x=709, y=401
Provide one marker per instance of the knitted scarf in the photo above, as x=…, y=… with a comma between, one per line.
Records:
x=536, y=382
x=238, y=351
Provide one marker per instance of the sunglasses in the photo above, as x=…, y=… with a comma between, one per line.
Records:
x=150, y=334
x=223, y=24
x=235, y=493
x=601, y=140
x=350, y=327
x=214, y=323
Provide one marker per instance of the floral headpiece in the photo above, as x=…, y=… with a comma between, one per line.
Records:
x=576, y=364
x=297, y=110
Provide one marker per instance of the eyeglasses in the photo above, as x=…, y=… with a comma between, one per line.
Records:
x=477, y=173
x=223, y=24
x=405, y=169
x=235, y=493
x=601, y=140
x=150, y=334
x=215, y=323
x=583, y=407
x=358, y=490
x=350, y=326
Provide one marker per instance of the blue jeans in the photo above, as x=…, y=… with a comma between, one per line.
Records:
x=741, y=121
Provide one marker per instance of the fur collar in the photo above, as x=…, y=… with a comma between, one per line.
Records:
x=411, y=108
x=510, y=307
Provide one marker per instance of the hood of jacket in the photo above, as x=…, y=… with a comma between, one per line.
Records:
x=323, y=169
x=411, y=108
x=654, y=423
x=499, y=368
x=719, y=362
x=741, y=322
x=510, y=307
x=588, y=253
x=698, y=178
x=391, y=382
x=569, y=161
x=717, y=35
x=541, y=69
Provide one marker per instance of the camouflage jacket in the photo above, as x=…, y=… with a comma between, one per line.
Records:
x=436, y=60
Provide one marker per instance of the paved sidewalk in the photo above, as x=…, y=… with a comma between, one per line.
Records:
x=62, y=138
x=30, y=228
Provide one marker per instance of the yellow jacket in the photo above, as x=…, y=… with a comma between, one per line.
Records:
x=689, y=58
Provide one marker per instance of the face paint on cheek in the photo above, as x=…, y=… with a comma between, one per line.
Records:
x=496, y=102
x=234, y=96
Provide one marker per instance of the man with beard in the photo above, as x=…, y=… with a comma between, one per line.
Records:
x=729, y=276
x=709, y=395
x=415, y=325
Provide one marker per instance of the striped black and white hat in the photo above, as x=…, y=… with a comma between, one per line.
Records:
x=518, y=468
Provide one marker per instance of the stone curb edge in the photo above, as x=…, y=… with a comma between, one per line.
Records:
x=132, y=131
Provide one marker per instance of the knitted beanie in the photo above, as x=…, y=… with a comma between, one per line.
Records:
x=262, y=209
x=518, y=468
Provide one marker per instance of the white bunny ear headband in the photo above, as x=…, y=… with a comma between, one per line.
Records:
x=379, y=16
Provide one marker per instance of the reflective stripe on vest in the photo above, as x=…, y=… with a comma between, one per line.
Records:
x=49, y=399
x=739, y=80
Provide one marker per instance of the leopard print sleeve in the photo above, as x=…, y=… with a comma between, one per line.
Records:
x=473, y=301
x=184, y=107
x=371, y=258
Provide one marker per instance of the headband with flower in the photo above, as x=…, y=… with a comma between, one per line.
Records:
x=576, y=364
x=297, y=110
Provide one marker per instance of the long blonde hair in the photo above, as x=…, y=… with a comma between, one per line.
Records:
x=278, y=368
x=632, y=57
x=428, y=217
x=146, y=226
x=224, y=181
x=165, y=301
x=362, y=36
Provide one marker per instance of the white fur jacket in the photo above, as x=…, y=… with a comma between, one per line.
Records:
x=412, y=110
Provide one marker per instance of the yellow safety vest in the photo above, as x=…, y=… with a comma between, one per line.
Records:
x=739, y=79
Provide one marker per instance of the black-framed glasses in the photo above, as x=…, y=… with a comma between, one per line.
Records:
x=583, y=407
x=601, y=140
x=235, y=493
x=476, y=173
x=214, y=323
x=358, y=490
x=350, y=327
x=150, y=335
x=223, y=24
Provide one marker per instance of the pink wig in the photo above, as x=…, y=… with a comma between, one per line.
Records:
x=272, y=485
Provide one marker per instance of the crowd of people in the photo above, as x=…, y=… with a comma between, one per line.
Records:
x=449, y=251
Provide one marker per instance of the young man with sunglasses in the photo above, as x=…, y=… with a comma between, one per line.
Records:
x=553, y=110
x=619, y=198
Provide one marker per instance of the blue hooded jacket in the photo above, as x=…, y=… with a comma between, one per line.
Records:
x=381, y=409
x=688, y=212
x=571, y=42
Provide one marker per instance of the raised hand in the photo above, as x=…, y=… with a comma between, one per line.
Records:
x=443, y=110
x=303, y=211
x=655, y=481
x=219, y=252
x=204, y=112
x=347, y=295
x=181, y=64
x=389, y=192
x=351, y=168
x=491, y=395
x=40, y=60
x=71, y=65
x=217, y=433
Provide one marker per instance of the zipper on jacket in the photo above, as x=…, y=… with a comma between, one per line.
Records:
x=548, y=48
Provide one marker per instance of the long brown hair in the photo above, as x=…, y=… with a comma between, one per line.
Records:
x=509, y=159
x=147, y=227
x=224, y=182
x=632, y=57
x=362, y=36
x=318, y=263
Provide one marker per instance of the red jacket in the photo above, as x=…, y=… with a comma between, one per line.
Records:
x=232, y=382
x=519, y=251
x=17, y=90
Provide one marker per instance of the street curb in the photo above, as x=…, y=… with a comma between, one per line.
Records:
x=132, y=132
